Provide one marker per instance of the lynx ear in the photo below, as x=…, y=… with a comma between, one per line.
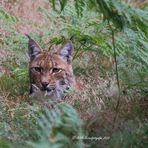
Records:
x=66, y=52
x=33, y=48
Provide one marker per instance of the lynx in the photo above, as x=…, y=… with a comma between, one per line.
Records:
x=50, y=72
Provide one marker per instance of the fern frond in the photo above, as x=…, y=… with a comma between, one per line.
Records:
x=57, y=128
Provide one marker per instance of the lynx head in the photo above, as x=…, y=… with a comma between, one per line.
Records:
x=50, y=72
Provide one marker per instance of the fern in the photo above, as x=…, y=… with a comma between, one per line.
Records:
x=92, y=32
x=131, y=135
x=7, y=17
x=57, y=127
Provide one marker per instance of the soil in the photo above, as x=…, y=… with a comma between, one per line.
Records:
x=30, y=16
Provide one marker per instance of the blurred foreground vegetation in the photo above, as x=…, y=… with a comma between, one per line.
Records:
x=110, y=61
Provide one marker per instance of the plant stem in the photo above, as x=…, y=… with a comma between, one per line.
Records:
x=117, y=74
x=75, y=55
x=116, y=69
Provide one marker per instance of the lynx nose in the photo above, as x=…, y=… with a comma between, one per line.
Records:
x=47, y=87
x=45, y=84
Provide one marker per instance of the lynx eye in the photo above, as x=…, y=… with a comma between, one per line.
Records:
x=56, y=70
x=38, y=69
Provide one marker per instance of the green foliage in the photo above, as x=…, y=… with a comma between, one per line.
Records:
x=79, y=5
x=7, y=17
x=4, y=144
x=17, y=123
x=131, y=135
x=57, y=127
x=42, y=127
x=93, y=33
x=57, y=40
x=13, y=83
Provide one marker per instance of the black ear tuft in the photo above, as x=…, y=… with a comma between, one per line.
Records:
x=33, y=48
x=66, y=52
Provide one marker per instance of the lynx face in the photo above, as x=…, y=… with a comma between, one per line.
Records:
x=51, y=72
